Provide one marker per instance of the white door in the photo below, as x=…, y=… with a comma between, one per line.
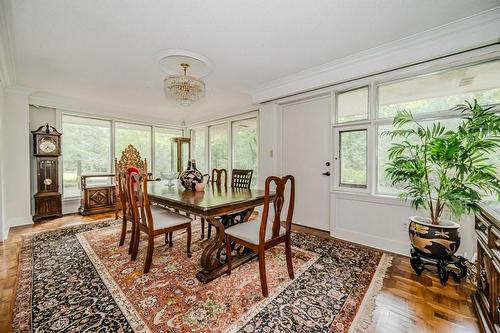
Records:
x=306, y=156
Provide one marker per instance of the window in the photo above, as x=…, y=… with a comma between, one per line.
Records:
x=245, y=146
x=430, y=98
x=137, y=135
x=198, y=146
x=163, y=150
x=352, y=105
x=353, y=158
x=384, y=143
x=218, y=150
x=232, y=144
x=441, y=91
x=86, y=150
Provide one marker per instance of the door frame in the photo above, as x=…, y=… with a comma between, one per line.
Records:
x=282, y=144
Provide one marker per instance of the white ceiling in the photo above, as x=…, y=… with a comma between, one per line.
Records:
x=105, y=51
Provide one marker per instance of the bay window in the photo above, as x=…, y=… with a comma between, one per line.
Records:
x=164, y=163
x=228, y=144
x=86, y=147
x=132, y=134
x=218, y=150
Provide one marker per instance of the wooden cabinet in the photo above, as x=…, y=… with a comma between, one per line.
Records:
x=98, y=197
x=487, y=297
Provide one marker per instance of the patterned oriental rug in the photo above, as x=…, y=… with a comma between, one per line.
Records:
x=77, y=279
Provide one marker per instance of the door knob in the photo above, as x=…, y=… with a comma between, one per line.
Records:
x=326, y=173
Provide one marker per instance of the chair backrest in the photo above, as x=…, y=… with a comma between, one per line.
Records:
x=278, y=203
x=139, y=199
x=123, y=191
x=131, y=158
x=217, y=177
x=241, y=178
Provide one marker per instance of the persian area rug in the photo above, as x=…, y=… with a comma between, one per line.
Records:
x=77, y=279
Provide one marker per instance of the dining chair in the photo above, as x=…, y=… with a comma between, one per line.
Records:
x=153, y=222
x=241, y=178
x=262, y=236
x=126, y=209
x=216, y=179
x=217, y=175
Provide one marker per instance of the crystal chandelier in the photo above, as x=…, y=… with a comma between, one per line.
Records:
x=184, y=88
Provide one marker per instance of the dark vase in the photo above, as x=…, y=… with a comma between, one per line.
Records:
x=438, y=242
x=191, y=176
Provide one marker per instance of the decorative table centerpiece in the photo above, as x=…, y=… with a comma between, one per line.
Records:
x=191, y=176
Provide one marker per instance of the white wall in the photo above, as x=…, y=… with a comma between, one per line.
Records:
x=382, y=222
x=16, y=158
x=3, y=231
x=269, y=141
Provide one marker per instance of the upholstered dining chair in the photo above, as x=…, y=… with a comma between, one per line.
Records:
x=241, y=178
x=126, y=209
x=262, y=236
x=152, y=220
x=218, y=178
x=130, y=158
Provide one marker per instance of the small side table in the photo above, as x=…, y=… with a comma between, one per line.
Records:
x=98, y=198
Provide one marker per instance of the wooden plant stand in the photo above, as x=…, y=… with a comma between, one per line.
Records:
x=455, y=266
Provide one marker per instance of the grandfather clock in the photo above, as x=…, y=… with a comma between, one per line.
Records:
x=47, y=149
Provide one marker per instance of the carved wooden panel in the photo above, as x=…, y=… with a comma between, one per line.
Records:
x=98, y=199
x=130, y=158
x=47, y=205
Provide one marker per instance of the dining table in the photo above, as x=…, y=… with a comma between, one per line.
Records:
x=220, y=206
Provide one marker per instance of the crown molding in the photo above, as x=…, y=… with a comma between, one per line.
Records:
x=7, y=65
x=94, y=109
x=477, y=30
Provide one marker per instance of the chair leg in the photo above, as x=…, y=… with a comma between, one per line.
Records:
x=188, y=245
x=135, y=246
x=132, y=238
x=202, y=228
x=124, y=231
x=170, y=236
x=288, y=252
x=262, y=272
x=149, y=255
x=229, y=258
x=209, y=230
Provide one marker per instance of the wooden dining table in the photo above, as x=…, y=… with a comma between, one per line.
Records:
x=220, y=206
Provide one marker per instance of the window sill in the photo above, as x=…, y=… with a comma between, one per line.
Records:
x=368, y=197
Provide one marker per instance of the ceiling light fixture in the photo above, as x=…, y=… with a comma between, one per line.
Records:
x=185, y=89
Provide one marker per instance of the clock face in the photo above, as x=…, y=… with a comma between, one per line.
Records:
x=47, y=145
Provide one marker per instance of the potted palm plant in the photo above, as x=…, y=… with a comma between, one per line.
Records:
x=443, y=170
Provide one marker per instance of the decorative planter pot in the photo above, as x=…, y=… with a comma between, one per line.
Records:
x=439, y=242
x=191, y=176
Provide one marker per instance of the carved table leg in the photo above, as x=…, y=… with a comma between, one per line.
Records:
x=212, y=262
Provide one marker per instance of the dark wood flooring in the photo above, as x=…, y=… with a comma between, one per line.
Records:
x=406, y=303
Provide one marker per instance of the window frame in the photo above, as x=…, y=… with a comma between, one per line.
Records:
x=336, y=105
x=228, y=121
x=337, y=185
x=373, y=122
x=151, y=163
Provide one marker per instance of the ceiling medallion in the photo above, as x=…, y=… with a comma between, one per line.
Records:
x=184, y=86
x=185, y=89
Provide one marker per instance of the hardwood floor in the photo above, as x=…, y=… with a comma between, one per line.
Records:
x=406, y=303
